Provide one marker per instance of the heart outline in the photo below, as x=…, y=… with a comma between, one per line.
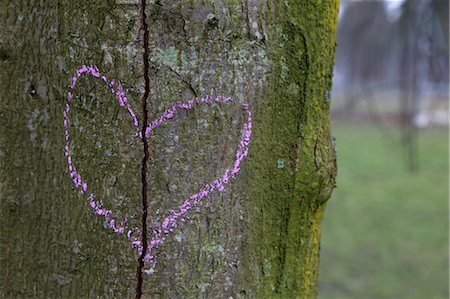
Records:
x=176, y=217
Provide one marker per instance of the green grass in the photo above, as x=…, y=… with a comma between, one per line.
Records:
x=385, y=231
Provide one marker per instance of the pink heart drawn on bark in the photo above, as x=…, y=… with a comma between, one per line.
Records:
x=194, y=202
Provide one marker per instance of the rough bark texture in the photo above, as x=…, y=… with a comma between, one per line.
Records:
x=259, y=238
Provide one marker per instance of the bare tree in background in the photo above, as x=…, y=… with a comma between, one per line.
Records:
x=378, y=54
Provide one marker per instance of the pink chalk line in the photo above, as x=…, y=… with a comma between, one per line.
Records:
x=176, y=216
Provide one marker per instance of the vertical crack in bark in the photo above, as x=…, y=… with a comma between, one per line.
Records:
x=145, y=142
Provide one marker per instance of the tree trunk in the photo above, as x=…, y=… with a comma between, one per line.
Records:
x=258, y=238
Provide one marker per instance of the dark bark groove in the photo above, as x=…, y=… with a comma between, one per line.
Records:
x=147, y=91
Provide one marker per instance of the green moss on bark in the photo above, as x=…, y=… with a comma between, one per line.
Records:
x=287, y=202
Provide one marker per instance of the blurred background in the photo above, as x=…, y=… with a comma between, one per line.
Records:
x=385, y=232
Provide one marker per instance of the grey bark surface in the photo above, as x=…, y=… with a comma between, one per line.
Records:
x=258, y=239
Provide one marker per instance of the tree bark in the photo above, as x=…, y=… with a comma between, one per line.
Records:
x=259, y=238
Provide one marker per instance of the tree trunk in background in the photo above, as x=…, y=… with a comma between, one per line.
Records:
x=257, y=239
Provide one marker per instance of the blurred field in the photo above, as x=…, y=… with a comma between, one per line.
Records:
x=385, y=231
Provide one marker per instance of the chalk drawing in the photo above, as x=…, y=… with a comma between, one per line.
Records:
x=175, y=216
